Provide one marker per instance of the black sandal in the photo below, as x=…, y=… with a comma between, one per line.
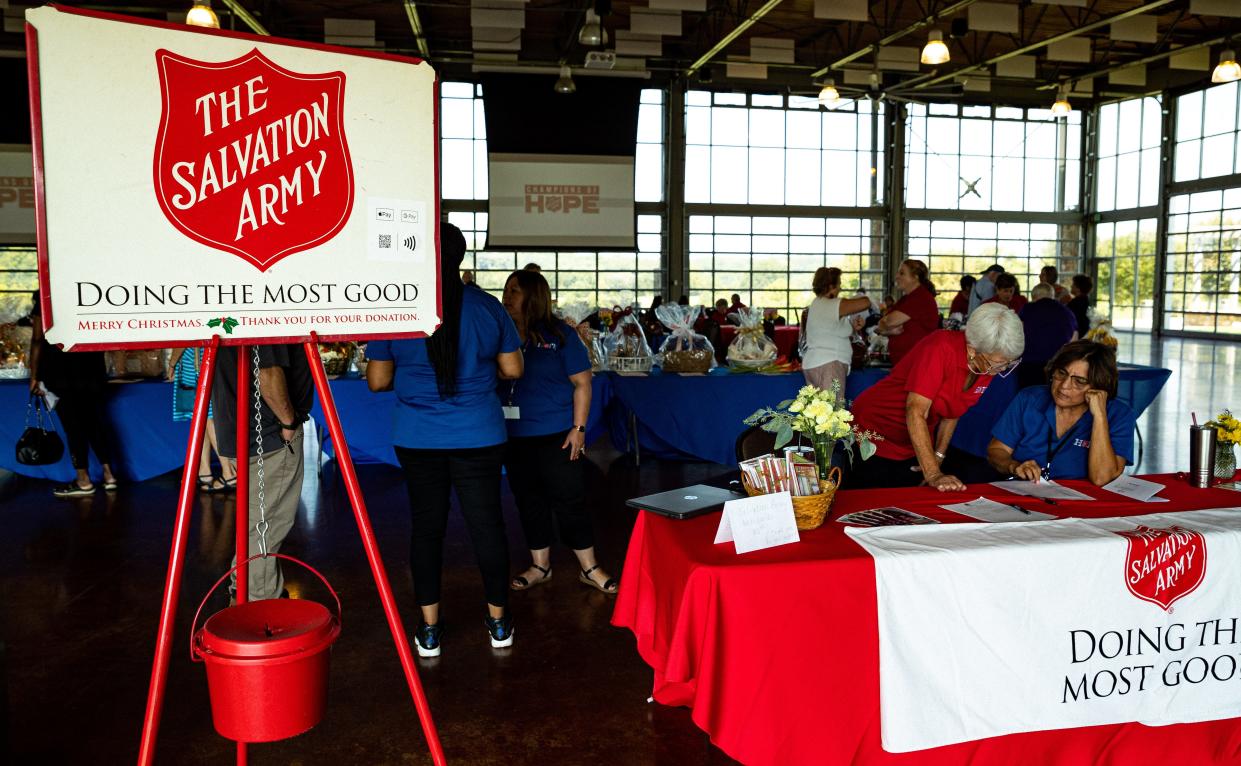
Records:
x=520, y=583
x=206, y=482
x=610, y=585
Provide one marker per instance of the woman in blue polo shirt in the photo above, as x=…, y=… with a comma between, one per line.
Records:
x=449, y=434
x=1073, y=428
x=546, y=413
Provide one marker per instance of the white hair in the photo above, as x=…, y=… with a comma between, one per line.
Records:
x=1041, y=290
x=994, y=328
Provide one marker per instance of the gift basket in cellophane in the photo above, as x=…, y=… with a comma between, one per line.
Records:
x=684, y=350
x=627, y=349
x=751, y=349
x=574, y=315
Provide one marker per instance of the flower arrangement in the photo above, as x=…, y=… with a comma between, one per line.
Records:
x=1227, y=428
x=818, y=414
x=1100, y=329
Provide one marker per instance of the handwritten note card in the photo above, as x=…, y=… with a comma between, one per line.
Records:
x=1136, y=489
x=755, y=523
x=989, y=510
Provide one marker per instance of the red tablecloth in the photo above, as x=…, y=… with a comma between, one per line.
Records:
x=786, y=337
x=776, y=652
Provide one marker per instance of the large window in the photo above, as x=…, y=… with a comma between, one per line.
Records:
x=19, y=278
x=770, y=261
x=1206, y=133
x=1126, y=253
x=1203, y=278
x=991, y=158
x=593, y=278
x=762, y=149
x=955, y=248
x=1129, y=142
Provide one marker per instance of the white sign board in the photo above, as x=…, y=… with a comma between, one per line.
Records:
x=551, y=201
x=16, y=195
x=192, y=183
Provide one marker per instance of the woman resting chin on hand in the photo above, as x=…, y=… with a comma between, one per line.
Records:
x=1073, y=428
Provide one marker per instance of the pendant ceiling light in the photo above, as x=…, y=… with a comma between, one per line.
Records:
x=1228, y=70
x=935, y=52
x=592, y=33
x=829, y=96
x=565, y=84
x=201, y=15
x=1062, y=107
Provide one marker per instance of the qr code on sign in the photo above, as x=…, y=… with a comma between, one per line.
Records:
x=385, y=240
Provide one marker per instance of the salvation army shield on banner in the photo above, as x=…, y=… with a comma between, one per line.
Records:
x=189, y=177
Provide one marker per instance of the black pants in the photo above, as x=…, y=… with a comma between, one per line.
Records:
x=430, y=474
x=548, y=485
x=881, y=472
x=81, y=410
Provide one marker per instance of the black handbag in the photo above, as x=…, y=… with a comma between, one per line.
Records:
x=39, y=444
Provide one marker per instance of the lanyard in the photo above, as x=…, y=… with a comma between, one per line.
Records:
x=1051, y=453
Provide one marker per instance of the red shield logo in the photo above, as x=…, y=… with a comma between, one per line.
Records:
x=251, y=158
x=1164, y=565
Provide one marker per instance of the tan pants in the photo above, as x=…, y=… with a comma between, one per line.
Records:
x=282, y=490
x=826, y=375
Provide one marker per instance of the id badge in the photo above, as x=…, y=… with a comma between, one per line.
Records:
x=512, y=413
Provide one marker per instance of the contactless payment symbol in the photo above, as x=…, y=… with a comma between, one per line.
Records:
x=251, y=157
x=1164, y=565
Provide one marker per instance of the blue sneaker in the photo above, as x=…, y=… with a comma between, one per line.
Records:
x=427, y=639
x=501, y=631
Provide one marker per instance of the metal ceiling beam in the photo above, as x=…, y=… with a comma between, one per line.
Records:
x=245, y=17
x=733, y=35
x=928, y=80
x=415, y=23
x=909, y=30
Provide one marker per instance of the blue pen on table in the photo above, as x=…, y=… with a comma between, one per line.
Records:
x=1018, y=507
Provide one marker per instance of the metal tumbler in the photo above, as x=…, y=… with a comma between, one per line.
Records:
x=1201, y=455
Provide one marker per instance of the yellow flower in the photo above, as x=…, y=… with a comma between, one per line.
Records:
x=796, y=407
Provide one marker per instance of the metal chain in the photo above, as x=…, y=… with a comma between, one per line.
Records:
x=262, y=526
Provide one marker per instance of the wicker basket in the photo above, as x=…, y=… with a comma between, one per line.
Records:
x=809, y=510
x=341, y=355
x=695, y=360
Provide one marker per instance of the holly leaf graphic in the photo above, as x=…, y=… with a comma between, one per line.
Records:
x=213, y=322
x=228, y=323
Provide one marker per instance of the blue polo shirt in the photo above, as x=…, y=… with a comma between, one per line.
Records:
x=1025, y=424
x=544, y=395
x=470, y=419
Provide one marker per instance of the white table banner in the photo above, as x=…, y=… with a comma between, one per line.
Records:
x=992, y=629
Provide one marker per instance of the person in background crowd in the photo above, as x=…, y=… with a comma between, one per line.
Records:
x=886, y=304
x=183, y=374
x=683, y=300
x=449, y=433
x=1080, y=288
x=984, y=288
x=467, y=278
x=1050, y=275
x=828, y=328
x=915, y=315
x=1048, y=325
x=80, y=380
x=720, y=314
x=773, y=316
x=916, y=407
x=1075, y=428
x=548, y=409
x=961, y=301
x=654, y=329
x=1006, y=293
x=736, y=303
x=287, y=393
x=532, y=266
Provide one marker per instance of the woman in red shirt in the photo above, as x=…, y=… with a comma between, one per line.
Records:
x=914, y=316
x=916, y=407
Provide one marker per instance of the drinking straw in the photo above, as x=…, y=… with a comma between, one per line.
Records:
x=1194, y=415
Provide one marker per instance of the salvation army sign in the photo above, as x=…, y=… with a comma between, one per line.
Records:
x=191, y=183
x=251, y=157
x=1164, y=565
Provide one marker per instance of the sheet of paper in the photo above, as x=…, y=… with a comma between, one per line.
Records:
x=755, y=523
x=1046, y=489
x=1137, y=489
x=990, y=510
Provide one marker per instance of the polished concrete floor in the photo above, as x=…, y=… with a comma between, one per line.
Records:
x=80, y=584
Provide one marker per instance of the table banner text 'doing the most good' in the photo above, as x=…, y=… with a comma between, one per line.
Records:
x=992, y=629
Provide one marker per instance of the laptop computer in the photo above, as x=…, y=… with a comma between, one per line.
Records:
x=687, y=502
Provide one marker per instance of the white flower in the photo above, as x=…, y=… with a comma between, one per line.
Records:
x=796, y=407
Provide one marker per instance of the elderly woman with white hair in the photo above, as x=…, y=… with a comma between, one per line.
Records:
x=916, y=407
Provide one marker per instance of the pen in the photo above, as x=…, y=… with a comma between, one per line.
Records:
x=1019, y=508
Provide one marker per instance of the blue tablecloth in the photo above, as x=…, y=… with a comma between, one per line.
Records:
x=1139, y=385
x=149, y=444
x=698, y=417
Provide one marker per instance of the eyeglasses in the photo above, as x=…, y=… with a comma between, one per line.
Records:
x=1001, y=369
x=1076, y=381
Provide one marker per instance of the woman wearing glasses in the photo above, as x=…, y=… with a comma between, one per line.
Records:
x=1074, y=428
x=915, y=408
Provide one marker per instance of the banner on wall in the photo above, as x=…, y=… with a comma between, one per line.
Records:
x=560, y=201
x=16, y=195
x=201, y=182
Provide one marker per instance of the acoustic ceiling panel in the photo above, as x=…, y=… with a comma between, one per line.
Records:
x=1135, y=29
x=632, y=44
x=1197, y=60
x=1134, y=75
x=975, y=83
x=994, y=17
x=357, y=33
x=1215, y=8
x=842, y=10
x=746, y=70
x=1074, y=49
x=678, y=5
x=648, y=22
x=771, y=50
x=1070, y=3
x=1020, y=67
x=898, y=58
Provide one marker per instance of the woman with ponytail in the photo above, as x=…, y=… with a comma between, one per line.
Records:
x=449, y=435
x=915, y=315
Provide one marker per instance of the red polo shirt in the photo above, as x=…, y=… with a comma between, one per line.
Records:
x=937, y=369
x=923, y=314
x=1016, y=304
